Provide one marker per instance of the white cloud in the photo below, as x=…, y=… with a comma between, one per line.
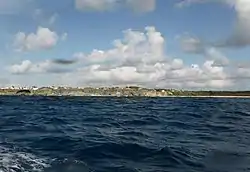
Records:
x=172, y=74
x=241, y=35
x=194, y=45
x=218, y=58
x=243, y=64
x=191, y=44
x=107, y=5
x=139, y=58
x=243, y=71
x=26, y=66
x=135, y=48
x=43, y=39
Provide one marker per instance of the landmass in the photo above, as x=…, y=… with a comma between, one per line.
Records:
x=128, y=91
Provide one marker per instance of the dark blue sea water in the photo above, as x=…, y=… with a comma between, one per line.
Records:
x=82, y=134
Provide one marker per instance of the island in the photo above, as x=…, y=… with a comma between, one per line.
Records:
x=127, y=91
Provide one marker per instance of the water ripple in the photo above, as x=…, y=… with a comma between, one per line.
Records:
x=88, y=134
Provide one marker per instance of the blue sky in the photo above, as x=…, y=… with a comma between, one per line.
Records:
x=72, y=30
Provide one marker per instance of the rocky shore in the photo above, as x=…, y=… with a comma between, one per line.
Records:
x=121, y=92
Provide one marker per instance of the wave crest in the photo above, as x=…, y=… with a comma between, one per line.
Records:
x=12, y=161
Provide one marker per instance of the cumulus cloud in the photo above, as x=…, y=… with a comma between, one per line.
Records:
x=107, y=5
x=26, y=66
x=43, y=39
x=172, y=74
x=243, y=73
x=241, y=35
x=139, y=58
x=193, y=45
x=243, y=65
x=236, y=70
x=218, y=58
x=135, y=48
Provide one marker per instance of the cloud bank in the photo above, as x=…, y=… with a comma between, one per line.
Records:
x=139, y=58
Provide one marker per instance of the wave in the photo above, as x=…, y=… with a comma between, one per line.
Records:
x=39, y=134
x=12, y=160
x=18, y=161
x=172, y=156
x=68, y=166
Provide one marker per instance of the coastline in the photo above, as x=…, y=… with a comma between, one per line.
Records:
x=129, y=91
x=214, y=96
x=229, y=97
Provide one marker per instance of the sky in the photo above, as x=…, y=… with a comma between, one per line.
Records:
x=181, y=44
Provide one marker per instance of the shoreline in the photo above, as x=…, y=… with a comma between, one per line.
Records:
x=173, y=96
x=131, y=91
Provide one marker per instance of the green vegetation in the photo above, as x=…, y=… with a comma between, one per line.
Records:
x=119, y=91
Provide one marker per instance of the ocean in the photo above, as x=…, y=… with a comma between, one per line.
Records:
x=108, y=134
